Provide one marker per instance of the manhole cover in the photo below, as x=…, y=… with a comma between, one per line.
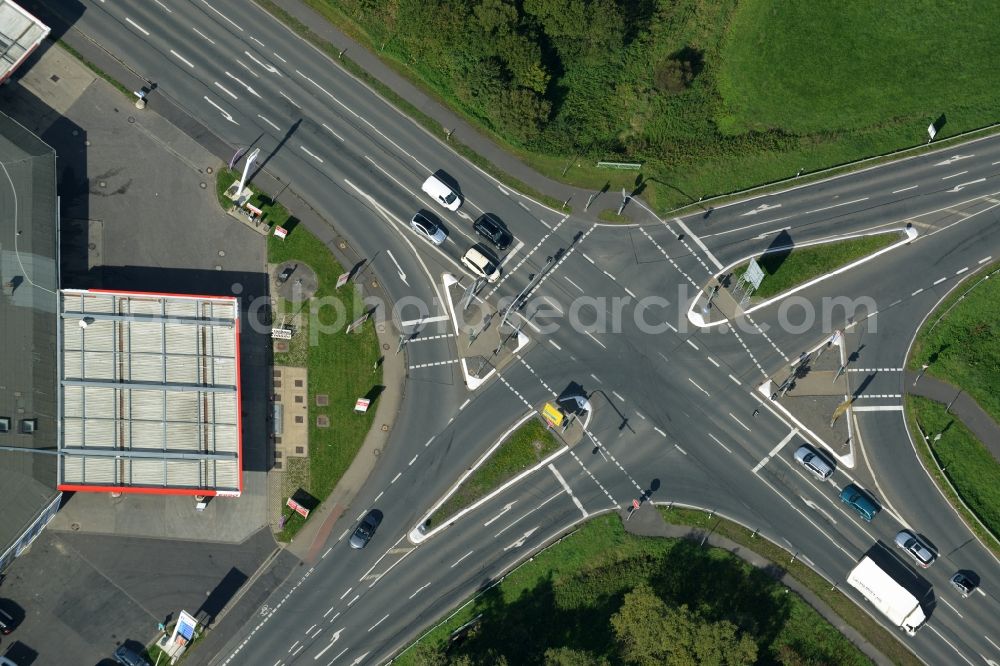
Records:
x=210, y=170
x=222, y=253
x=74, y=526
x=376, y=452
x=374, y=284
x=342, y=245
x=218, y=268
x=91, y=246
x=131, y=119
x=385, y=347
x=102, y=184
x=385, y=428
x=202, y=185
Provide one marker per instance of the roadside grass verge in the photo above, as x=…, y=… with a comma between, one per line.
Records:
x=963, y=348
x=523, y=448
x=850, y=612
x=565, y=595
x=960, y=465
x=789, y=268
x=115, y=83
x=341, y=366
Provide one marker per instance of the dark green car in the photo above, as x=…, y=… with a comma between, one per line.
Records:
x=856, y=498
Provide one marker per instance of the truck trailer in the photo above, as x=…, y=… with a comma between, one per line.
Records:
x=892, y=599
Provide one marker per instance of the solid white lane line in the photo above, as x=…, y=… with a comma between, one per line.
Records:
x=663, y=434
x=222, y=15
x=951, y=607
x=699, y=388
x=268, y=122
x=420, y=589
x=562, y=482
x=461, y=558
x=290, y=100
x=740, y=422
x=555, y=345
x=629, y=292
x=614, y=393
x=258, y=41
x=137, y=26
x=206, y=38
x=911, y=187
x=692, y=344
x=378, y=623
x=346, y=592
x=191, y=65
x=595, y=339
x=950, y=644
x=699, y=243
x=573, y=283
x=596, y=378
x=312, y=155
x=987, y=637
x=355, y=598
x=728, y=450
x=222, y=88
x=323, y=556
x=680, y=449
x=846, y=203
x=712, y=361
x=332, y=132
x=738, y=382
x=960, y=173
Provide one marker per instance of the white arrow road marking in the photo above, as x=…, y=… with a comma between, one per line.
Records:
x=502, y=511
x=249, y=89
x=958, y=188
x=336, y=637
x=520, y=542
x=953, y=158
x=358, y=660
x=267, y=67
x=225, y=114
x=402, y=275
x=815, y=507
x=760, y=209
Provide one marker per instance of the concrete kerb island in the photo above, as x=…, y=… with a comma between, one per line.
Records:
x=417, y=535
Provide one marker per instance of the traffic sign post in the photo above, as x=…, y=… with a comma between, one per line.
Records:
x=632, y=509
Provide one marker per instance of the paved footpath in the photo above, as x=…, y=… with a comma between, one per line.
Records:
x=961, y=405
x=648, y=521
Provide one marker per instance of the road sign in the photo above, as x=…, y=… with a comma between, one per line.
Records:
x=281, y=333
x=357, y=322
x=754, y=274
x=342, y=280
x=280, y=232
x=931, y=131
x=552, y=415
x=635, y=504
x=298, y=508
x=361, y=406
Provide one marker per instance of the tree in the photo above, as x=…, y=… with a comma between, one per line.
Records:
x=650, y=633
x=587, y=26
x=565, y=656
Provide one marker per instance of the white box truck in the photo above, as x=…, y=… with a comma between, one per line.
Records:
x=891, y=598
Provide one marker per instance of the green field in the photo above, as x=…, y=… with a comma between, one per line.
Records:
x=787, y=269
x=964, y=347
x=971, y=469
x=710, y=97
x=525, y=447
x=565, y=597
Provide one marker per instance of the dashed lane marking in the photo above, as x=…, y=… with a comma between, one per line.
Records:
x=433, y=364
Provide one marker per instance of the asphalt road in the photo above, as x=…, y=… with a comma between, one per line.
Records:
x=673, y=402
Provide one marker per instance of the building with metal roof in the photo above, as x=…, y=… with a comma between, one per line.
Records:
x=20, y=34
x=29, y=274
x=149, y=390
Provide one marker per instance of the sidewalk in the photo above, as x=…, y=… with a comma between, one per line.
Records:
x=963, y=406
x=463, y=132
x=648, y=521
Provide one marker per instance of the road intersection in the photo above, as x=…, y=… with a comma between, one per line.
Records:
x=674, y=403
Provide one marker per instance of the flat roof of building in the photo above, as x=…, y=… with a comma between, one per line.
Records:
x=20, y=33
x=150, y=393
x=29, y=278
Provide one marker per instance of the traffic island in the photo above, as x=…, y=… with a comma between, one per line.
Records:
x=487, y=339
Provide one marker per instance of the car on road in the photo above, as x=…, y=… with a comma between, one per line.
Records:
x=428, y=226
x=441, y=192
x=859, y=500
x=7, y=622
x=4, y=661
x=480, y=260
x=964, y=583
x=813, y=461
x=127, y=656
x=366, y=529
x=492, y=228
x=915, y=547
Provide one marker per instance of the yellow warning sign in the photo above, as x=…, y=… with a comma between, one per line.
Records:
x=552, y=414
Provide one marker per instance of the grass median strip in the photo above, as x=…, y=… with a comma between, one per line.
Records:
x=341, y=366
x=789, y=268
x=563, y=600
x=523, y=448
x=952, y=452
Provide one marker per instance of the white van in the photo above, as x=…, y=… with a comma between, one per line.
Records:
x=441, y=193
x=478, y=260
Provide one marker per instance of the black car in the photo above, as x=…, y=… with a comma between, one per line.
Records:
x=6, y=622
x=363, y=534
x=490, y=227
x=127, y=656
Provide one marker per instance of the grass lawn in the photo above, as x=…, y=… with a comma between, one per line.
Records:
x=525, y=447
x=787, y=269
x=339, y=365
x=971, y=469
x=964, y=347
x=777, y=87
x=566, y=595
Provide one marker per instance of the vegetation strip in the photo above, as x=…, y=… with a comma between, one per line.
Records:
x=790, y=268
x=525, y=447
x=341, y=366
x=603, y=596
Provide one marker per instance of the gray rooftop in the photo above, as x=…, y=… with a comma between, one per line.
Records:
x=150, y=393
x=28, y=302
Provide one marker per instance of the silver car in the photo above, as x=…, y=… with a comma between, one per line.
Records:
x=914, y=546
x=813, y=461
x=427, y=225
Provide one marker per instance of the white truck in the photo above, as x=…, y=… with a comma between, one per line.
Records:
x=891, y=598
